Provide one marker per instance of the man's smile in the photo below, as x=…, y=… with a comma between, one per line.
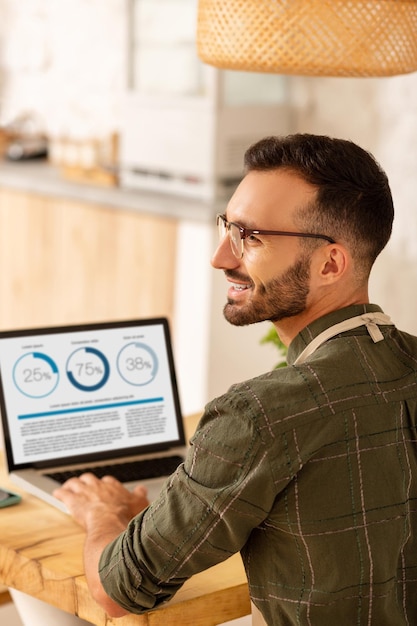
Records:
x=239, y=286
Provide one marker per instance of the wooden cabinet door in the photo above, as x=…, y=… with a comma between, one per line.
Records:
x=67, y=262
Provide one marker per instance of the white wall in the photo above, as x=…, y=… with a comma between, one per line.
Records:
x=380, y=115
x=64, y=61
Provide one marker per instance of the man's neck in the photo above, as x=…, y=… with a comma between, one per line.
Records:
x=289, y=327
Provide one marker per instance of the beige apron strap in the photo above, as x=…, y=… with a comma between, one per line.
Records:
x=370, y=320
x=257, y=618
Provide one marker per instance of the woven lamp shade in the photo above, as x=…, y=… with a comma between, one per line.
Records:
x=309, y=37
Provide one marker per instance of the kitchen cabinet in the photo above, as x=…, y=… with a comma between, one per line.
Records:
x=64, y=261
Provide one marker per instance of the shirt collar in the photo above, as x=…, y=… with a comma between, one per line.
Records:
x=318, y=326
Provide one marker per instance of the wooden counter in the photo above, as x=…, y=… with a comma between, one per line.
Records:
x=41, y=554
x=40, y=178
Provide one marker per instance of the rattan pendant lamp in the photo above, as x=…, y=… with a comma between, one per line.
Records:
x=309, y=37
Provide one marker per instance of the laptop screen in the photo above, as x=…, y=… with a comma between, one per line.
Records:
x=88, y=392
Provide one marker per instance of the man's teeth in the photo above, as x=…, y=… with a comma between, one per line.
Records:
x=239, y=287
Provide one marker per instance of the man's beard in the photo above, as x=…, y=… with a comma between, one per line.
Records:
x=280, y=298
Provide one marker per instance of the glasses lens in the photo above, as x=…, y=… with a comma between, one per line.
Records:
x=221, y=227
x=236, y=241
x=234, y=235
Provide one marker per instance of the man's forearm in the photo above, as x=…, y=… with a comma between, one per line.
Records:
x=104, y=509
x=96, y=540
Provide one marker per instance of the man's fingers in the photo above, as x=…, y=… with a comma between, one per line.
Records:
x=111, y=479
x=140, y=491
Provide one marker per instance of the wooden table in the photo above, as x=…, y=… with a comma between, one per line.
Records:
x=41, y=555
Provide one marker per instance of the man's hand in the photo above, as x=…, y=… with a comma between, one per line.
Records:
x=103, y=507
x=88, y=496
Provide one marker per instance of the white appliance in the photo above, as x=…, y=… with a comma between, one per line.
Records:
x=185, y=126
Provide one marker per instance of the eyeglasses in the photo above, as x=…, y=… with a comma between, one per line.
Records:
x=238, y=234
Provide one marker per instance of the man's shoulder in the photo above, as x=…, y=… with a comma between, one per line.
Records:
x=344, y=368
x=285, y=391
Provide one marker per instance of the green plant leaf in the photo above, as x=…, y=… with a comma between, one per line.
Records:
x=272, y=337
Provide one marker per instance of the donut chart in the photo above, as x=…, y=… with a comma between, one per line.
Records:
x=35, y=374
x=137, y=363
x=87, y=369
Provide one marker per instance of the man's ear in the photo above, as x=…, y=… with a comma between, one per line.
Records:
x=335, y=262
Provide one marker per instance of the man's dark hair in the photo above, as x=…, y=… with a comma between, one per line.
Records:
x=353, y=203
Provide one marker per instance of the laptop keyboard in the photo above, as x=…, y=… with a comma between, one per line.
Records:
x=128, y=471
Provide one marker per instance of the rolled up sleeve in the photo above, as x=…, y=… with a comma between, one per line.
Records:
x=204, y=514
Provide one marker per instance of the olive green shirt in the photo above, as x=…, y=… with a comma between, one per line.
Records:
x=310, y=471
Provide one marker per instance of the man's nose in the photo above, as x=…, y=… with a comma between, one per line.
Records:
x=223, y=257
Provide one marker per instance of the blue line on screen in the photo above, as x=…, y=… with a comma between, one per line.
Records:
x=97, y=407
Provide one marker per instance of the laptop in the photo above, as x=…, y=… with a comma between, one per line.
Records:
x=99, y=397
